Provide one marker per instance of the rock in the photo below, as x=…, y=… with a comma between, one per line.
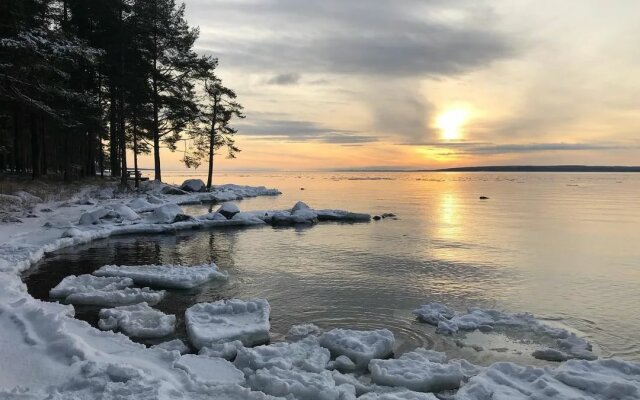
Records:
x=377, y=218
x=388, y=215
x=172, y=190
x=484, y=198
x=193, y=185
x=228, y=210
x=166, y=214
x=299, y=206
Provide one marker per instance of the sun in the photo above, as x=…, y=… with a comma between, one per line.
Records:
x=451, y=122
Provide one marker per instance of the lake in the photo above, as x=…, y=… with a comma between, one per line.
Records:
x=564, y=246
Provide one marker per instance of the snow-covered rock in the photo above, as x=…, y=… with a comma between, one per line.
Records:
x=227, y=350
x=341, y=215
x=209, y=370
x=137, y=320
x=299, y=206
x=116, y=297
x=125, y=212
x=168, y=189
x=228, y=210
x=360, y=346
x=139, y=204
x=433, y=313
x=422, y=370
x=299, y=332
x=299, y=385
x=193, y=185
x=173, y=345
x=213, y=216
x=228, y=320
x=88, y=283
x=166, y=214
x=166, y=276
x=575, y=379
x=305, y=355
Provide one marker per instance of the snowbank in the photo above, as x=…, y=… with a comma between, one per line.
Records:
x=166, y=276
x=228, y=320
x=138, y=320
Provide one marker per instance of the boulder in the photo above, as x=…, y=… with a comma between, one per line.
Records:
x=172, y=190
x=228, y=210
x=193, y=185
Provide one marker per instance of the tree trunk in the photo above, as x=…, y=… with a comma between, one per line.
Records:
x=212, y=141
x=43, y=144
x=35, y=148
x=156, y=133
x=17, y=150
x=135, y=152
x=113, y=133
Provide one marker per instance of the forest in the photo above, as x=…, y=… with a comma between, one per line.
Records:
x=84, y=82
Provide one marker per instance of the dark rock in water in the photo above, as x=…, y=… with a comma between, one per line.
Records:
x=377, y=218
x=193, y=185
x=388, y=215
x=228, y=210
x=484, y=198
x=182, y=217
x=172, y=190
x=301, y=188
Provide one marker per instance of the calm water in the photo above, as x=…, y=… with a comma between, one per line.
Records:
x=563, y=246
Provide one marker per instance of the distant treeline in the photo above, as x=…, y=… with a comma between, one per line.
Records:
x=83, y=81
x=543, y=168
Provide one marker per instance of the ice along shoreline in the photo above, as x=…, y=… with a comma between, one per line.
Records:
x=61, y=356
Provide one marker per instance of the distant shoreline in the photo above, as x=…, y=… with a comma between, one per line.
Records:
x=543, y=168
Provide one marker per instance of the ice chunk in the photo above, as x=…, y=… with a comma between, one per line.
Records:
x=299, y=385
x=433, y=313
x=87, y=283
x=215, y=371
x=125, y=212
x=227, y=320
x=116, y=297
x=344, y=363
x=306, y=355
x=359, y=346
x=138, y=320
x=299, y=332
x=227, y=350
x=401, y=395
x=140, y=204
x=422, y=370
x=168, y=276
x=228, y=210
x=300, y=206
x=173, y=345
x=213, y=216
x=193, y=185
x=166, y=214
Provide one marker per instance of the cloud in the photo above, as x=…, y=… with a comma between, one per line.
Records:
x=301, y=131
x=466, y=148
x=290, y=78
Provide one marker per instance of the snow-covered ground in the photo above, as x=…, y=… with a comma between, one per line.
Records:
x=45, y=353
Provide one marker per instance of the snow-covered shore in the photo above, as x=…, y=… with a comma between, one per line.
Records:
x=46, y=353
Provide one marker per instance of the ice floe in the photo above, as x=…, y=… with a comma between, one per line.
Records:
x=422, y=370
x=137, y=320
x=360, y=346
x=227, y=320
x=87, y=283
x=227, y=350
x=401, y=395
x=299, y=332
x=173, y=345
x=210, y=370
x=166, y=276
x=305, y=355
x=116, y=297
x=299, y=385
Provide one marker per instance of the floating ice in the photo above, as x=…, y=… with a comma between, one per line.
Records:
x=88, y=283
x=173, y=345
x=138, y=320
x=168, y=276
x=116, y=297
x=299, y=385
x=299, y=332
x=433, y=313
x=575, y=379
x=306, y=355
x=227, y=320
x=227, y=350
x=422, y=370
x=215, y=371
x=360, y=346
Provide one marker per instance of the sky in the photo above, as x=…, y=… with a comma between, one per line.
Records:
x=358, y=84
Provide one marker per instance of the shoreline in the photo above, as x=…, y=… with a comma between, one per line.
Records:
x=48, y=332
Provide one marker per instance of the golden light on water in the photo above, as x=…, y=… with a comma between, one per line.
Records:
x=451, y=123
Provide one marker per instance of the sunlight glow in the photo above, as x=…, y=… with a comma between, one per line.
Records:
x=450, y=123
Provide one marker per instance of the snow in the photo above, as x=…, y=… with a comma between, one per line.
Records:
x=299, y=385
x=173, y=345
x=166, y=276
x=193, y=185
x=360, y=346
x=228, y=320
x=166, y=214
x=422, y=370
x=299, y=332
x=138, y=320
x=344, y=363
x=402, y=395
x=215, y=371
x=116, y=297
x=228, y=210
x=569, y=345
x=305, y=355
x=87, y=283
x=227, y=350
